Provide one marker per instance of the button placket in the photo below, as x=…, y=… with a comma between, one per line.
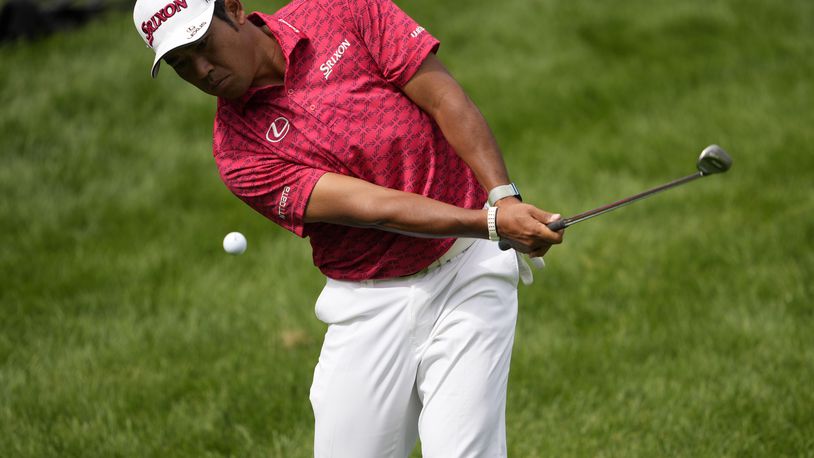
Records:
x=308, y=102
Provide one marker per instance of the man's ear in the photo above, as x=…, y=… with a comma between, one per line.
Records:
x=234, y=8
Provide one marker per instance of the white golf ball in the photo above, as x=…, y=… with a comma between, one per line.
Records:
x=234, y=243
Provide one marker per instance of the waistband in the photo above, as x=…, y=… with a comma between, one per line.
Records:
x=461, y=244
x=458, y=248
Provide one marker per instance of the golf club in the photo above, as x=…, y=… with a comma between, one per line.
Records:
x=712, y=160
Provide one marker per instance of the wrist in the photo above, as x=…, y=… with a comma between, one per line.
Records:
x=508, y=201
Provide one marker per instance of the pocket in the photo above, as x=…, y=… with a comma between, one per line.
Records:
x=339, y=302
x=323, y=300
x=488, y=260
x=512, y=262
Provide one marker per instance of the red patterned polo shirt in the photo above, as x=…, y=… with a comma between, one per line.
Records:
x=341, y=110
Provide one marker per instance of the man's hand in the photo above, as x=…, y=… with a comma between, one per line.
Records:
x=524, y=227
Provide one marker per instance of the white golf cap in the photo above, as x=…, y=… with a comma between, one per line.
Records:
x=167, y=24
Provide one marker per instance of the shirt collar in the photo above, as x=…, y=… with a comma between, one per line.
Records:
x=286, y=34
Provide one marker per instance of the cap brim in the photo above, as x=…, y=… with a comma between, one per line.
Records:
x=191, y=32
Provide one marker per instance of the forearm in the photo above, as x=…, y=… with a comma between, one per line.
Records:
x=415, y=215
x=348, y=201
x=467, y=131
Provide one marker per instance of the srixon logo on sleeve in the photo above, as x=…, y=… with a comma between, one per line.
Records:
x=161, y=16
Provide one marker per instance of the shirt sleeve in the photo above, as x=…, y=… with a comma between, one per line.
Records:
x=397, y=43
x=276, y=189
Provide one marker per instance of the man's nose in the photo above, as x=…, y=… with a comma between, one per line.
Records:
x=202, y=67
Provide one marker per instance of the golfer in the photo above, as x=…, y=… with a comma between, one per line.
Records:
x=336, y=121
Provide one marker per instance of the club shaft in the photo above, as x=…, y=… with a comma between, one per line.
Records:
x=629, y=200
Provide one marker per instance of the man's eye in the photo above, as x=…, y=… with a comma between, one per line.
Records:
x=177, y=63
x=202, y=43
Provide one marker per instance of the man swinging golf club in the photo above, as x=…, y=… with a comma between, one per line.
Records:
x=336, y=121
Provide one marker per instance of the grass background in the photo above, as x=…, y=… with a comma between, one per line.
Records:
x=681, y=326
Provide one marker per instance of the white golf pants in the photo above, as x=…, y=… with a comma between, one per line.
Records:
x=427, y=355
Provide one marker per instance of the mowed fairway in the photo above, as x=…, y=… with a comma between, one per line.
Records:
x=680, y=326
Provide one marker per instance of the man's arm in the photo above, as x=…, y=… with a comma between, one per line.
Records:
x=340, y=199
x=437, y=93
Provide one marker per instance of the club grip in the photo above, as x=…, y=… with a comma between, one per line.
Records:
x=555, y=226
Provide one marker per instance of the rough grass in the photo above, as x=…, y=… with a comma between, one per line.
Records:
x=680, y=326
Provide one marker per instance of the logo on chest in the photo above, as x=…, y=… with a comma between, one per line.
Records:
x=328, y=67
x=278, y=130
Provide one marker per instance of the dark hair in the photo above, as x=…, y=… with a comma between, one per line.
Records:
x=220, y=13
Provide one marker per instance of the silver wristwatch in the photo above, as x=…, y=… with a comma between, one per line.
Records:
x=500, y=192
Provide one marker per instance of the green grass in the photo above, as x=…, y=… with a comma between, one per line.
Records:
x=680, y=326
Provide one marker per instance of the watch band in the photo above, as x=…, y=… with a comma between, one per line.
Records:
x=500, y=192
x=491, y=224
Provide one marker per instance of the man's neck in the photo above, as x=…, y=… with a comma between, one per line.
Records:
x=271, y=58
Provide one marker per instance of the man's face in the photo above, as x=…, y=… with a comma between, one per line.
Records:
x=221, y=63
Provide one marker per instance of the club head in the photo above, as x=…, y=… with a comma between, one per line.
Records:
x=713, y=160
